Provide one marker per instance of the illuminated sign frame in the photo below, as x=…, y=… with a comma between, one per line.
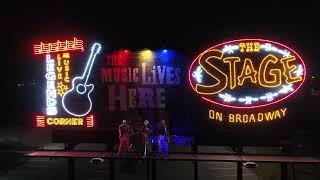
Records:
x=57, y=74
x=229, y=49
x=51, y=92
x=43, y=121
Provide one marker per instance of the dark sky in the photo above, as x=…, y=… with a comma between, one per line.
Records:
x=186, y=27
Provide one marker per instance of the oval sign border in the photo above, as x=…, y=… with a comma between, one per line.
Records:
x=255, y=106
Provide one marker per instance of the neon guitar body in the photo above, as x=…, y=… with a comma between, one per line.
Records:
x=77, y=100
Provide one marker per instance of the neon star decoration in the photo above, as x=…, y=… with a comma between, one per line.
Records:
x=268, y=47
x=227, y=97
x=269, y=96
x=62, y=88
x=248, y=99
x=299, y=71
x=197, y=74
x=229, y=49
x=285, y=89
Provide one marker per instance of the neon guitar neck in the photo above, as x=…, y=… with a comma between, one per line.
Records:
x=94, y=51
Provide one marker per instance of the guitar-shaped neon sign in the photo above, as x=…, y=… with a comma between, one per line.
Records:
x=77, y=101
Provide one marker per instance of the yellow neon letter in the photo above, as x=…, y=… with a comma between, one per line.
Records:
x=249, y=47
x=283, y=112
x=275, y=73
x=247, y=72
x=206, y=62
x=232, y=70
x=277, y=114
x=242, y=46
x=49, y=121
x=269, y=115
x=252, y=118
x=260, y=117
x=238, y=118
x=231, y=118
x=219, y=116
x=80, y=121
x=245, y=118
x=256, y=47
x=211, y=114
x=288, y=70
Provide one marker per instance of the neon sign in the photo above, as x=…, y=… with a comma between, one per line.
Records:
x=247, y=73
x=80, y=91
x=58, y=46
x=43, y=121
x=138, y=80
x=40, y=120
x=249, y=118
x=63, y=68
x=51, y=93
x=67, y=97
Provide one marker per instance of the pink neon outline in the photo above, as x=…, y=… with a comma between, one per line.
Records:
x=256, y=106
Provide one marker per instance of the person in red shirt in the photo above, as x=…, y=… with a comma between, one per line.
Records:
x=124, y=130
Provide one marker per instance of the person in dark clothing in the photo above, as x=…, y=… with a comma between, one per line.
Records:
x=146, y=131
x=163, y=138
x=124, y=130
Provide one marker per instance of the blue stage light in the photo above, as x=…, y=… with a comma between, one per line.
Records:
x=165, y=55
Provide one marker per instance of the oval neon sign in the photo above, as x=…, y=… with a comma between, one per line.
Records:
x=247, y=73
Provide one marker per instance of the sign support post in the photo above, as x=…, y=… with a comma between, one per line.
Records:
x=71, y=169
x=195, y=163
x=154, y=169
x=239, y=164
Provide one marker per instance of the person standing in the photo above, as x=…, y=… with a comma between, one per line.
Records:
x=147, y=137
x=124, y=130
x=163, y=138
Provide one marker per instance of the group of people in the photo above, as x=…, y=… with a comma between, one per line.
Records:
x=125, y=131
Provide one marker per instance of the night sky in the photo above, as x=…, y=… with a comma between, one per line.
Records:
x=186, y=27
